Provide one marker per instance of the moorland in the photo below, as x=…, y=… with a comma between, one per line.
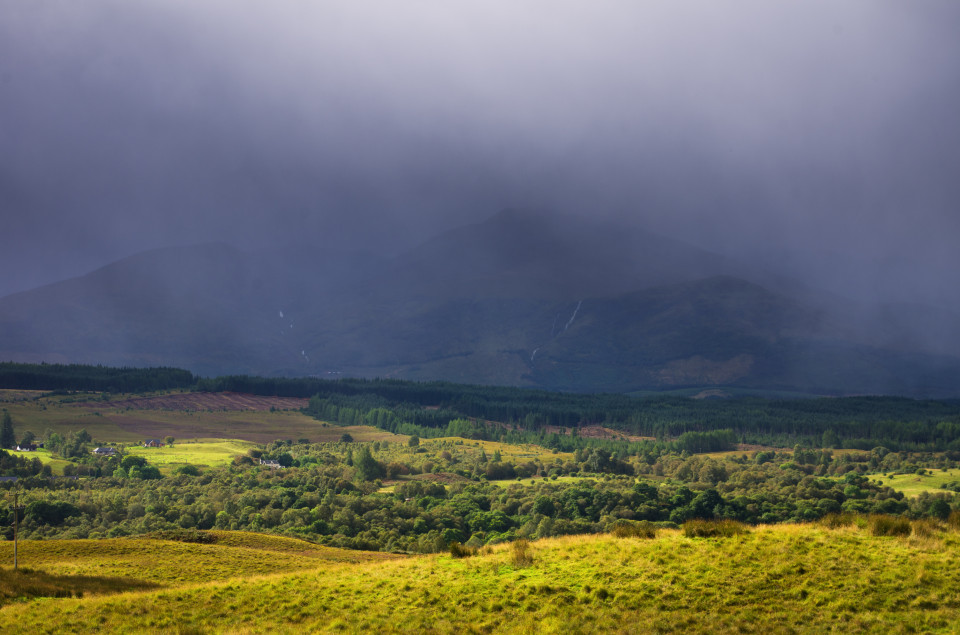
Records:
x=395, y=506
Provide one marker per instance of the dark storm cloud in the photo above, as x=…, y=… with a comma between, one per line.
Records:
x=820, y=137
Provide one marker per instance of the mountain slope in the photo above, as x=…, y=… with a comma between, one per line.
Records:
x=520, y=299
x=170, y=306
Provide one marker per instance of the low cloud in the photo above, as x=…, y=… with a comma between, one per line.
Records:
x=818, y=137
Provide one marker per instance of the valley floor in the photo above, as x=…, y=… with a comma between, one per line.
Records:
x=785, y=578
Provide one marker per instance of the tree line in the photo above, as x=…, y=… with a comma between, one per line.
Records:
x=425, y=408
x=95, y=378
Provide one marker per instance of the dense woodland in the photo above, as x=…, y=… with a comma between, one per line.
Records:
x=331, y=493
x=96, y=378
x=854, y=422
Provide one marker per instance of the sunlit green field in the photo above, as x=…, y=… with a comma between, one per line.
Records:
x=916, y=484
x=203, y=453
x=787, y=578
x=56, y=464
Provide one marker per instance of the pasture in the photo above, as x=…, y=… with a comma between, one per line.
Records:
x=202, y=453
x=56, y=464
x=930, y=481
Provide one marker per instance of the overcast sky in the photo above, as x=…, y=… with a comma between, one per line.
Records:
x=822, y=136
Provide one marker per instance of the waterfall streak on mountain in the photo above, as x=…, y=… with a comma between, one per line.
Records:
x=573, y=317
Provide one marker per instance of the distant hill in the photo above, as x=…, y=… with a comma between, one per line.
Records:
x=520, y=299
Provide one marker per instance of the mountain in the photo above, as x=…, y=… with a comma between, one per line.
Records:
x=522, y=299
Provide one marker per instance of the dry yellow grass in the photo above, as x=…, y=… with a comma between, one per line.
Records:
x=800, y=578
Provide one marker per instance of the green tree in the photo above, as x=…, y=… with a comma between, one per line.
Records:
x=7, y=438
x=48, y=513
x=28, y=438
x=368, y=468
x=168, y=440
x=544, y=505
x=132, y=461
x=829, y=439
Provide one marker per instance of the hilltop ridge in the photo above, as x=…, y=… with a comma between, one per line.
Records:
x=523, y=298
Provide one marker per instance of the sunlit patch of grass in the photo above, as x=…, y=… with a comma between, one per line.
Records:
x=207, y=453
x=784, y=578
x=932, y=480
x=56, y=464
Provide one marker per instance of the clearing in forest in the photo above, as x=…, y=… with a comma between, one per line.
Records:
x=932, y=481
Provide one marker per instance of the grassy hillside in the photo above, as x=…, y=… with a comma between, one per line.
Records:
x=796, y=578
x=167, y=562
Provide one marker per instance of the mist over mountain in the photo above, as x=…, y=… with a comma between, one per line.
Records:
x=815, y=137
x=519, y=299
x=763, y=195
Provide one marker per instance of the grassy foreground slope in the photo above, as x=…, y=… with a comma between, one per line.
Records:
x=804, y=578
x=175, y=563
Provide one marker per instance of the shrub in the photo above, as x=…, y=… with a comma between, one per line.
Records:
x=522, y=554
x=462, y=551
x=953, y=520
x=883, y=525
x=713, y=528
x=626, y=529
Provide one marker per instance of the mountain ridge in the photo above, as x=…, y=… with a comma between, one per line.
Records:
x=518, y=299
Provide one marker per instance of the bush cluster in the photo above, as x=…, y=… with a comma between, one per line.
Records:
x=713, y=528
x=462, y=551
x=521, y=553
x=883, y=525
